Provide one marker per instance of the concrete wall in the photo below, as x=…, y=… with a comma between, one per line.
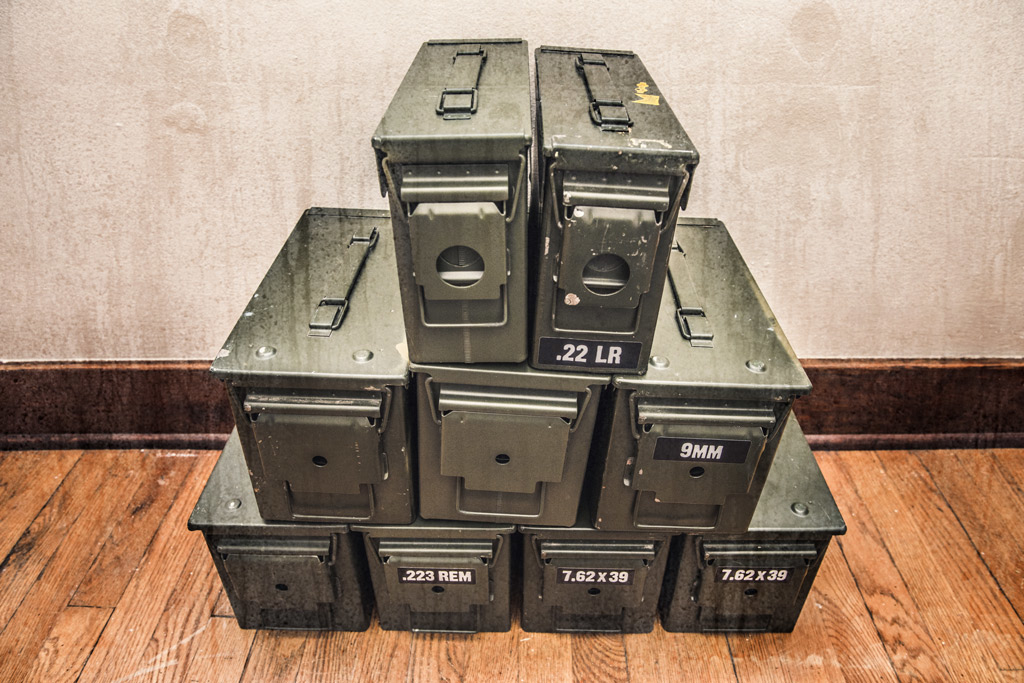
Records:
x=867, y=156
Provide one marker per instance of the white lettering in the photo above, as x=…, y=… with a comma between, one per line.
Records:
x=715, y=452
x=599, y=359
x=614, y=355
x=685, y=449
x=700, y=451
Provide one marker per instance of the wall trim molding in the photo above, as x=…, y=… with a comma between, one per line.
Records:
x=857, y=404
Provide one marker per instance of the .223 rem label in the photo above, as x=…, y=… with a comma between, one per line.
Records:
x=587, y=353
x=422, y=575
x=620, y=577
x=703, y=450
x=738, y=574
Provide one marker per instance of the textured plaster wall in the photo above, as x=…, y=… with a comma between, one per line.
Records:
x=867, y=156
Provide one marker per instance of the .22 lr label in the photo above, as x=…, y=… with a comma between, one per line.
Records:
x=418, y=575
x=752, y=575
x=621, y=577
x=588, y=353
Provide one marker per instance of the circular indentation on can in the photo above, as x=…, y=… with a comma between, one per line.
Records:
x=606, y=274
x=438, y=589
x=233, y=504
x=696, y=472
x=594, y=591
x=756, y=366
x=362, y=355
x=319, y=461
x=460, y=266
x=281, y=586
x=502, y=458
x=800, y=509
x=659, y=362
x=750, y=592
x=265, y=352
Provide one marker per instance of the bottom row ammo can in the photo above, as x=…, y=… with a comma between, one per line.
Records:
x=280, y=574
x=758, y=580
x=441, y=576
x=456, y=576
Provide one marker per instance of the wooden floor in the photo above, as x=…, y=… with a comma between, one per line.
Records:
x=100, y=580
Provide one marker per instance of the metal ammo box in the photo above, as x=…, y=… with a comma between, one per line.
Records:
x=503, y=443
x=582, y=579
x=757, y=581
x=688, y=446
x=452, y=153
x=279, y=574
x=440, y=576
x=614, y=170
x=317, y=376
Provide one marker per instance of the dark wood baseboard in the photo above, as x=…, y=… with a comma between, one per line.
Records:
x=856, y=404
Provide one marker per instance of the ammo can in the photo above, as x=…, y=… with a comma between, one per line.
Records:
x=280, y=574
x=317, y=377
x=440, y=576
x=688, y=446
x=583, y=579
x=452, y=155
x=503, y=443
x=614, y=170
x=757, y=581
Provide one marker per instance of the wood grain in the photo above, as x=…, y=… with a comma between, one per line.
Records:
x=119, y=652
x=971, y=487
x=27, y=480
x=162, y=478
x=916, y=589
x=66, y=648
x=905, y=636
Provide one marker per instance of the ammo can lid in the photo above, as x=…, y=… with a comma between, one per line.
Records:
x=227, y=504
x=435, y=529
x=795, y=498
x=735, y=348
x=601, y=110
x=510, y=375
x=327, y=310
x=462, y=101
x=582, y=529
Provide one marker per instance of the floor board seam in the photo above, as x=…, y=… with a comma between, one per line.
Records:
x=92, y=648
x=970, y=539
x=732, y=658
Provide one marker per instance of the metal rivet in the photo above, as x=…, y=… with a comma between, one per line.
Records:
x=362, y=355
x=756, y=365
x=800, y=509
x=233, y=504
x=578, y=213
x=265, y=352
x=659, y=361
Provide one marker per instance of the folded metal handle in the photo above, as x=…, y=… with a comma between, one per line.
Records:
x=459, y=98
x=607, y=109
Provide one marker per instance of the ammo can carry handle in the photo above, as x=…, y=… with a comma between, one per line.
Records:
x=606, y=107
x=459, y=96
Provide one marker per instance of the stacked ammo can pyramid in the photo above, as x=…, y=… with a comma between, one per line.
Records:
x=567, y=394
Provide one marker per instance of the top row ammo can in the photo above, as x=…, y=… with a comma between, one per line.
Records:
x=452, y=153
x=614, y=171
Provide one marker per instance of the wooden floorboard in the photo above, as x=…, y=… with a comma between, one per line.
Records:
x=101, y=581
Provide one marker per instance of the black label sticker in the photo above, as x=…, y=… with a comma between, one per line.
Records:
x=621, y=577
x=701, y=450
x=745, y=575
x=587, y=353
x=435, y=575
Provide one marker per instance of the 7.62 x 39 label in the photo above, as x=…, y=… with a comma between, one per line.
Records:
x=620, y=577
x=745, y=575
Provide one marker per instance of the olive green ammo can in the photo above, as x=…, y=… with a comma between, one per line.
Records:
x=318, y=380
x=503, y=443
x=582, y=579
x=440, y=576
x=453, y=152
x=759, y=580
x=688, y=446
x=287, y=575
x=614, y=170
